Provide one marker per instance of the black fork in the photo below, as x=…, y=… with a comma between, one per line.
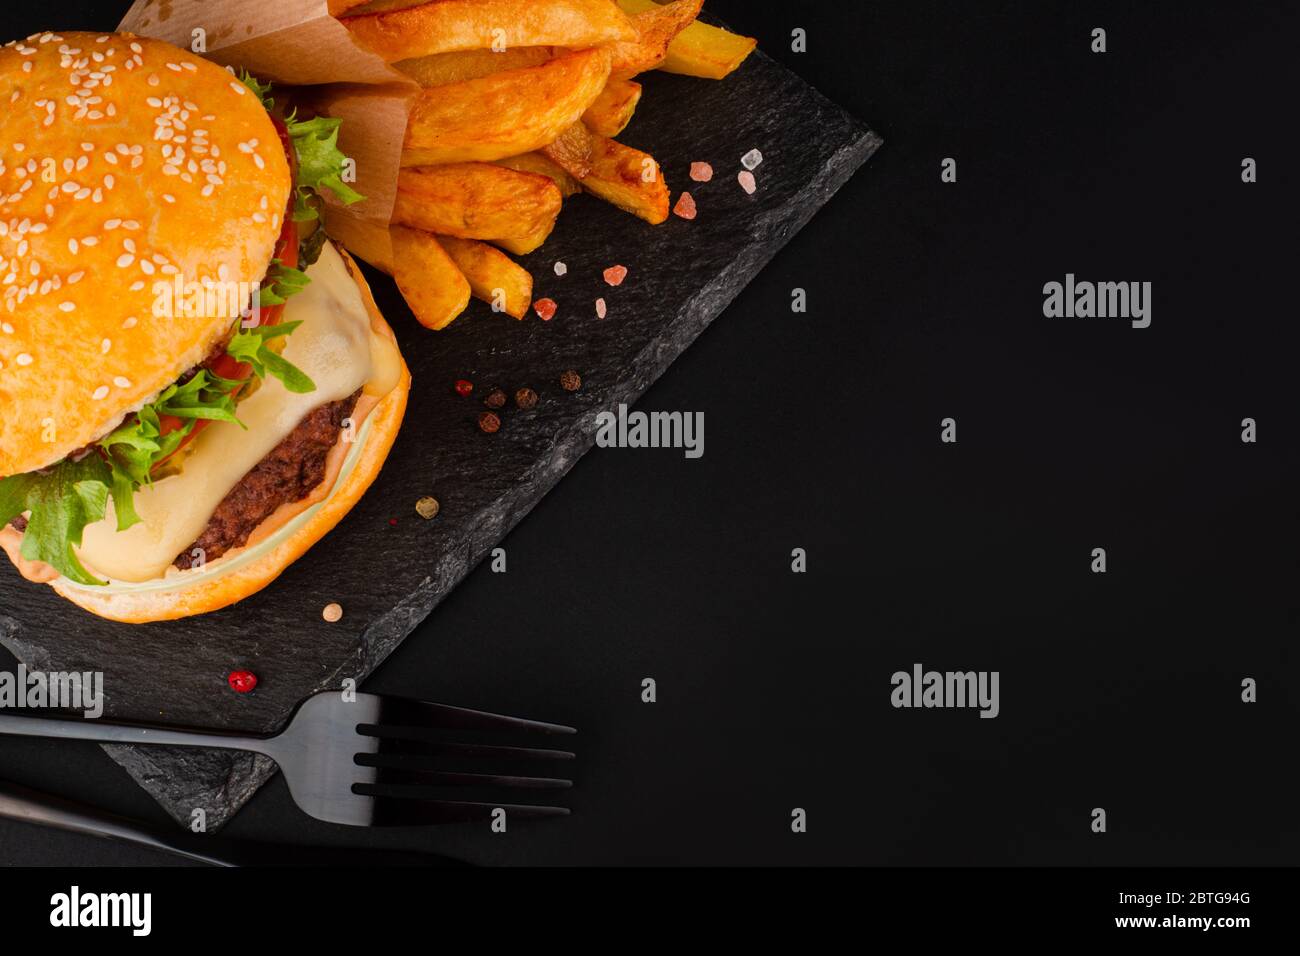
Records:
x=366, y=760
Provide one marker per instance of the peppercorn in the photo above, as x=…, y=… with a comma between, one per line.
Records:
x=489, y=422
x=464, y=387
x=427, y=507
x=526, y=398
x=495, y=398
x=241, y=682
x=332, y=612
x=570, y=381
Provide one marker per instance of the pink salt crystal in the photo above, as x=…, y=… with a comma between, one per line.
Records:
x=746, y=180
x=600, y=308
x=685, y=207
x=701, y=172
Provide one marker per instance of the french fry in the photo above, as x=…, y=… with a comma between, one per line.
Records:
x=493, y=276
x=443, y=69
x=701, y=49
x=537, y=163
x=571, y=151
x=628, y=178
x=427, y=277
x=522, y=245
x=612, y=110
x=505, y=114
x=476, y=201
x=656, y=26
x=450, y=25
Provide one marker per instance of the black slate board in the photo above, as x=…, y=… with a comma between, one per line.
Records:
x=389, y=577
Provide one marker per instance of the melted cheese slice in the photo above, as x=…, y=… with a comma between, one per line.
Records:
x=335, y=346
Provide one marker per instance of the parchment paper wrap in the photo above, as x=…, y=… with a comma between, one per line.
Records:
x=297, y=43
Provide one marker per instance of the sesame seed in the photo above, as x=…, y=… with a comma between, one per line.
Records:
x=124, y=260
x=122, y=382
x=105, y=345
x=100, y=393
x=23, y=359
x=130, y=323
x=67, y=306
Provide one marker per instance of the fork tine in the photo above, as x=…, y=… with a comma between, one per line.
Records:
x=401, y=740
x=396, y=811
x=407, y=712
x=430, y=776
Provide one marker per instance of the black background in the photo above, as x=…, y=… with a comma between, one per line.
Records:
x=822, y=432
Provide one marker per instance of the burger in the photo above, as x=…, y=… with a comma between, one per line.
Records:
x=195, y=383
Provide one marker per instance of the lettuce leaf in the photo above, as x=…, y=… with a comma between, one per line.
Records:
x=261, y=90
x=135, y=447
x=250, y=345
x=320, y=165
x=281, y=282
x=61, y=500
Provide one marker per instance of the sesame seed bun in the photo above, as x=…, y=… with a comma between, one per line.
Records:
x=124, y=161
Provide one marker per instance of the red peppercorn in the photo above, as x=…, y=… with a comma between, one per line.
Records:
x=393, y=522
x=241, y=682
x=489, y=422
x=545, y=309
x=464, y=387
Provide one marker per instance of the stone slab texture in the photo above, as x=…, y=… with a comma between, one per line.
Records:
x=389, y=577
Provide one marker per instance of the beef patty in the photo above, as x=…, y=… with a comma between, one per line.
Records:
x=288, y=473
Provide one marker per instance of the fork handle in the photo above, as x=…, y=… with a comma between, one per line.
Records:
x=30, y=806
x=73, y=729
x=43, y=809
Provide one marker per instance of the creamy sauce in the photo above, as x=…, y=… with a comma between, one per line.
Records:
x=335, y=346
